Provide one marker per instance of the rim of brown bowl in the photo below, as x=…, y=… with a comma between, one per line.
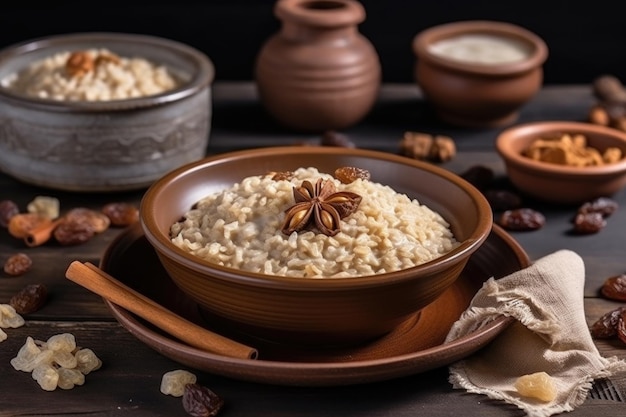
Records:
x=538, y=55
x=202, y=76
x=510, y=142
x=161, y=242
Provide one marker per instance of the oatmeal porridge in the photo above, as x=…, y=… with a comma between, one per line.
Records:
x=91, y=75
x=242, y=227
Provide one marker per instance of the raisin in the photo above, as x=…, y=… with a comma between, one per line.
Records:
x=606, y=326
x=333, y=138
x=603, y=205
x=8, y=209
x=121, y=214
x=522, y=219
x=479, y=176
x=29, y=299
x=588, y=223
x=350, y=174
x=502, y=200
x=97, y=221
x=614, y=288
x=200, y=401
x=17, y=264
x=282, y=175
x=22, y=224
x=69, y=233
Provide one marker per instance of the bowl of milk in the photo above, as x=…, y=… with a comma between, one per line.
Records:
x=479, y=73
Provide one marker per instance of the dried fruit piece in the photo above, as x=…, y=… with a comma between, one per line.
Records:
x=22, y=224
x=621, y=326
x=522, y=219
x=537, y=385
x=282, y=175
x=106, y=57
x=614, y=288
x=79, y=63
x=97, y=221
x=69, y=233
x=603, y=205
x=173, y=382
x=333, y=138
x=200, y=401
x=589, y=223
x=8, y=209
x=350, y=174
x=121, y=214
x=606, y=326
x=44, y=206
x=479, y=176
x=609, y=88
x=30, y=298
x=502, y=200
x=17, y=264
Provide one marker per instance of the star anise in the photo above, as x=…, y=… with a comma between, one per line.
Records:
x=321, y=206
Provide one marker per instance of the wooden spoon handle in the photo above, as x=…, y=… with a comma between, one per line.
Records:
x=96, y=280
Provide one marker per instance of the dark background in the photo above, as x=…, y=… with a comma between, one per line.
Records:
x=585, y=38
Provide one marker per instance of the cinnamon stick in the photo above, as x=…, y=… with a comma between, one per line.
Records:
x=41, y=234
x=98, y=281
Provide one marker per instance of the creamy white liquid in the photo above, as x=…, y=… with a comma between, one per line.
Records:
x=481, y=49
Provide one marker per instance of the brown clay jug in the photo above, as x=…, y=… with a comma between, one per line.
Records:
x=318, y=72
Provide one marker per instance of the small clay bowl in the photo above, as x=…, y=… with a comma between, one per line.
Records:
x=478, y=89
x=556, y=183
x=314, y=311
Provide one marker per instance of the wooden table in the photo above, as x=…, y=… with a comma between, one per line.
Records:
x=128, y=383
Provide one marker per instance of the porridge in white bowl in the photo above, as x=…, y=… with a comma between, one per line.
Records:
x=250, y=227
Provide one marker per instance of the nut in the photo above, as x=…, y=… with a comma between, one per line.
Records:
x=571, y=150
x=609, y=88
x=79, y=63
x=427, y=147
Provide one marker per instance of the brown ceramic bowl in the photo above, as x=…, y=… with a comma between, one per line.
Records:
x=559, y=183
x=479, y=91
x=314, y=311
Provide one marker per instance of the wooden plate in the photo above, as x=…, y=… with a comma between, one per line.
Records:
x=415, y=346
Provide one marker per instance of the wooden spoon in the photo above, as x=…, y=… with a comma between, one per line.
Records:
x=96, y=280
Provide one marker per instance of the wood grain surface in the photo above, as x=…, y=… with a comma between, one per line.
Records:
x=128, y=382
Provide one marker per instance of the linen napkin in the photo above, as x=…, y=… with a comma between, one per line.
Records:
x=549, y=335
